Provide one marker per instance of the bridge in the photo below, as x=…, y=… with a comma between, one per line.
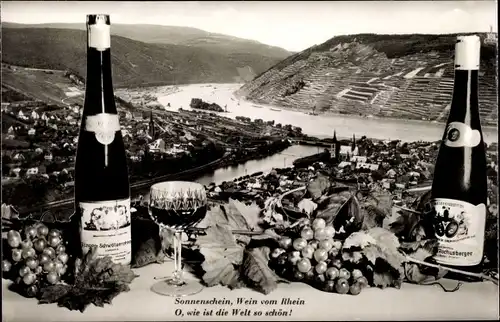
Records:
x=310, y=142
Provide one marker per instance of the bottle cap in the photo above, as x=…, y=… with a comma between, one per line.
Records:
x=98, y=31
x=98, y=19
x=467, y=52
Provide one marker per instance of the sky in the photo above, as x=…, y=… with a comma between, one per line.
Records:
x=293, y=25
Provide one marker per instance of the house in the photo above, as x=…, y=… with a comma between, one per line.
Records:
x=370, y=166
x=32, y=171
x=48, y=156
x=18, y=157
x=357, y=158
x=31, y=132
x=10, y=130
x=414, y=174
x=344, y=164
x=391, y=173
x=42, y=169
x=125, y=133
x=175, y=150
x=38, y=151
x=20, y=114
x=157, y=146
x=34, y=115
x=401, y=186
x=346, y=152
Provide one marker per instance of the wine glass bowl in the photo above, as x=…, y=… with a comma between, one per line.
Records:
x=177, y=205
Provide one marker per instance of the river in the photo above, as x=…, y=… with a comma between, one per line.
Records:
x=319, y=126
x=315, y=125
x=279, y=160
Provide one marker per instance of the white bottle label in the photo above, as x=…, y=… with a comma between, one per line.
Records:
x=461, y=135
x=99, y=36
x=107, y=225
x=104, y=126
x=459, y=228
x=467, y=53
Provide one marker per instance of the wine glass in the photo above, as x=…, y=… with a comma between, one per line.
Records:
x=177, y=205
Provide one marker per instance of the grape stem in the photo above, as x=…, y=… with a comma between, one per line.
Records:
x=454, y=270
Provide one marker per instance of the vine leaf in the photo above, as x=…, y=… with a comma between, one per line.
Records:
x=256, y=270
x=380, y=248
x=97, y=281
x=222, y=253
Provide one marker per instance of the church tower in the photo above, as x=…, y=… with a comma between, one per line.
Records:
x=335, y=148
x=353, y=146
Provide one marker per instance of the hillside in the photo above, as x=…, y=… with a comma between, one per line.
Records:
x=401, y=76
x=52, y=87
x=175, y=35
x=135, y=63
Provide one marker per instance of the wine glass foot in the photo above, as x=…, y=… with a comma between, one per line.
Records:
x=176, y=288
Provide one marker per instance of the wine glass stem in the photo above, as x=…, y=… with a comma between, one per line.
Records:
x=177, y=278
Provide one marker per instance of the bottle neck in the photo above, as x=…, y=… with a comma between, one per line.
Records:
x=99, y=94
x=465, y=105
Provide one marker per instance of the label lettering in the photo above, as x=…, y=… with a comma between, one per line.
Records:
x=461, y=135
x=104, y=126
x=459, y=227
x=107, y=225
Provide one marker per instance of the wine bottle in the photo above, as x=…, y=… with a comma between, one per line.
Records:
x=102, y=191
x=459, y=188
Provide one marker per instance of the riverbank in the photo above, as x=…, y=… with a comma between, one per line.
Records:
x=371, y=117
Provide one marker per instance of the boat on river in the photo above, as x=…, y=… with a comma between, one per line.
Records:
x=275, y=109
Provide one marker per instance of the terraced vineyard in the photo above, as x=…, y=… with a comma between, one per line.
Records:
x=401, y=76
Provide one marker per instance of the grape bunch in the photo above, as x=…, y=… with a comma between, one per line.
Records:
x=313, y=256
x=37, y=257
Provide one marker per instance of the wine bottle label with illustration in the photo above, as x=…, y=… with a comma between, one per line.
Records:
x=459, y=228
x=104, y=126
x=99, y=34
x=461, y=135
x=107, y=225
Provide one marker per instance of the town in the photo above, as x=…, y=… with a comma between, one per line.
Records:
x=39, y=145
x=39, y=139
